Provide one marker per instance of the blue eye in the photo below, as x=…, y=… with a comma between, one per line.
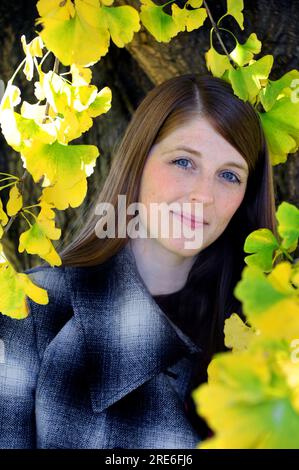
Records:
x=184, y=167
x=232, y=177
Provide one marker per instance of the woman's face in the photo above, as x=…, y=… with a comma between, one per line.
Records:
x=193, y=164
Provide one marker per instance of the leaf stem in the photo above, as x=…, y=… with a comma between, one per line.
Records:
x=165, y=4
x=8, y=174
x=23, y=215
x=16, y=71
x=7, y=185
x=29, y=207
x=220, y=19
x=31, y=213
x=215, y=28
x=7, y=178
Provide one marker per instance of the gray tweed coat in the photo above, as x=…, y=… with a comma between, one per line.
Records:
x=100, y=366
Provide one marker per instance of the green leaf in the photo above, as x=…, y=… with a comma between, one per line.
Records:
x=262, y=243
x=288, y=225
x=281, y=127
x=271, y=303
x=188, y=19
x=161, y=25
x=80, y=32
x=256, y=292
x=235, y=8
x=64, y=168
x=274, y=88
x=243, y=53
x=217, y=63
x=122, y=22
x=246, y=81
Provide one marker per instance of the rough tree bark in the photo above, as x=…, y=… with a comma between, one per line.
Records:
x=131, y=72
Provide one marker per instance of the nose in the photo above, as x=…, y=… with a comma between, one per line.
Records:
x=202, y=191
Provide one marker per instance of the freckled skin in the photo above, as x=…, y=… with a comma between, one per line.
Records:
x=163, y=181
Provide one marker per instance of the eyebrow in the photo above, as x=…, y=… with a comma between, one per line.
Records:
x=199, y=154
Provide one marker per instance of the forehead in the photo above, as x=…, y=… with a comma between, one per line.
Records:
x=199, y=135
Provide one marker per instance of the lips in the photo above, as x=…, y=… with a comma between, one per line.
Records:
x=191, y=220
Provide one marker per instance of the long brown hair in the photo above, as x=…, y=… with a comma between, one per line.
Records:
x=207, y=298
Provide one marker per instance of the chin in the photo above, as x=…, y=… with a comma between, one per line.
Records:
x=178, y=247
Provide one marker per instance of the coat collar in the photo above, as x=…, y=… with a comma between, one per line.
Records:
x=128, y=338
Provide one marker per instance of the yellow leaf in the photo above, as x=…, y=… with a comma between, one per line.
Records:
x=217, y=63
x=64, y=168
x=14, y=288
x=36, y=293
x=3, y=215
x=161, y=25
x=67, y=25
x=80, y=75
x=33, y=49
x=188, y=19
x=238, y=336
x=35, y=241
x=15, y=201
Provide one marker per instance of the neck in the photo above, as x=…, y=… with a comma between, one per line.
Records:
x=162, y=271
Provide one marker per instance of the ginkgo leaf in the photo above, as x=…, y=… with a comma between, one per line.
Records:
x=64, y=168
x=295, y=274
x=74, y=106
x=235, y=8
x=80, y=75
x=15, y=201
x=11, y=98
x=36, y=241
x=67, y=25
x=275, y=88
x=248, y=403
x=288, y=225
x=33, y=49
x=217, y=63
x=46, y=209
x=262, y=243
x=14, y=288
x=101, y=104
x=243, y=53
x=271, y=306
x=237, y=335
x=281, y=127
x=19, y=131
x=280, y=278
x=122, y=23
x=3, y=215
x=188, y=19
x=246, y=81
x=161, y=25
x=290, y=370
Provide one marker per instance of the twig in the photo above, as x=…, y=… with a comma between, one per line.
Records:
x=215, y=27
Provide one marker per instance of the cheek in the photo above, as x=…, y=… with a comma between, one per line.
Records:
x=228, y=205
x=157, y=183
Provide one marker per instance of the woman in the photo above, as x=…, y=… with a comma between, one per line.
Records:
x=132, y=322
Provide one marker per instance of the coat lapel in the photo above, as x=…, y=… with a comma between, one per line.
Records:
x=128, y=337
